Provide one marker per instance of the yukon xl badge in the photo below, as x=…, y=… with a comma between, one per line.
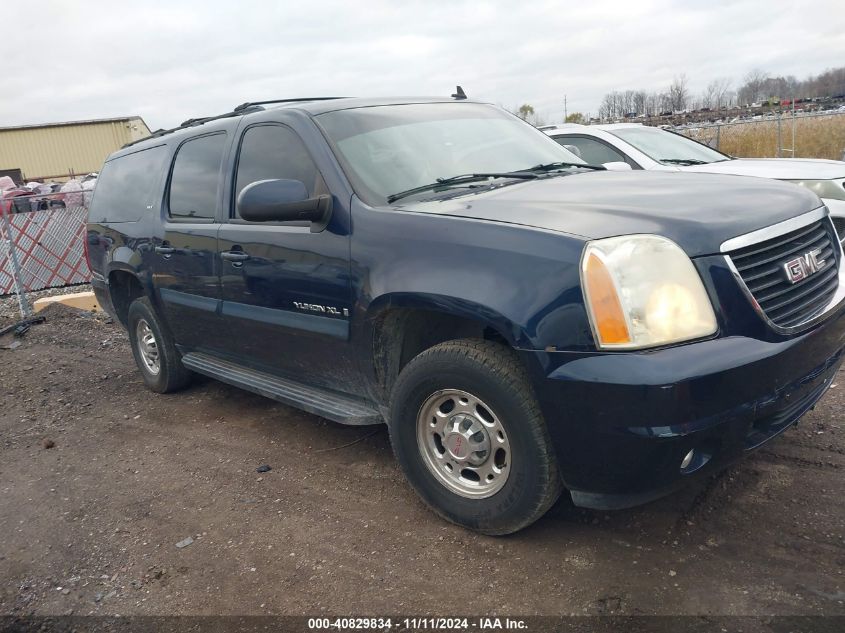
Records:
x=316, y=307
x=802, y=267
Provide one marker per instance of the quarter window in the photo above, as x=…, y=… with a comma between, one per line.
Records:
x=271, y=152
x=196, y=175
x=127, y=186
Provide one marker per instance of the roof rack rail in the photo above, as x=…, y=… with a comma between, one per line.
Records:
x=248, y=104
x=194, y=122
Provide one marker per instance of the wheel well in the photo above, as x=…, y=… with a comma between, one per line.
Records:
x=124, y=288
x=401, y=334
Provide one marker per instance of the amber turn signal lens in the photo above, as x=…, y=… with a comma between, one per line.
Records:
x=608, y=318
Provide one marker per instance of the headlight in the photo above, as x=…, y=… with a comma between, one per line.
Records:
x=643, y=291
x=834, y=189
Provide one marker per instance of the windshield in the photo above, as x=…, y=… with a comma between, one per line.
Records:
x=667, y=147
x=396, y=148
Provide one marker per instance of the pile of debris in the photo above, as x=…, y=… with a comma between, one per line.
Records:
x=41, y=196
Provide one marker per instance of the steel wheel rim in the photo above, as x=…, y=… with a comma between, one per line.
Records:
x=147, y=346
x=463, y=443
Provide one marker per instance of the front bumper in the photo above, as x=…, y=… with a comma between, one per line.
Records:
x=622, y=423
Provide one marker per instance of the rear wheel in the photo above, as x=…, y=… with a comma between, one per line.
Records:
x=468, y=433
x=153, y=348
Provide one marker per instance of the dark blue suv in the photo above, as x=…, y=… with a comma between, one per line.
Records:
x=524, y=323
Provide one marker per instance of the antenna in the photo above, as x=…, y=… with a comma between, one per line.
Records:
x=459, y=94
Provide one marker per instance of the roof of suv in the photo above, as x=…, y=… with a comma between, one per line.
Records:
x=311, y=105
x=347, y=103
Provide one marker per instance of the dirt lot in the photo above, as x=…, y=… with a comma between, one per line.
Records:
x=91, y=524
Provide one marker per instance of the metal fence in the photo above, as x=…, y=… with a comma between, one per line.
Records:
x=42, y=243
x=776, y=135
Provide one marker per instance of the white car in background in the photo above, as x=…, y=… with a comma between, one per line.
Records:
x=643, y=147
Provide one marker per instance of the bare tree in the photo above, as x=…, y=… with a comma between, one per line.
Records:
x=665, y=102
x=708, y=97
x=652, y=104
x=716, y=93
x=640, y=98
x=610, y=106
x=719, y=93
x=830, y=82
x=628, y=103
x=678, y=94
x=752, y=88
x=722, y=91
x=792, y=86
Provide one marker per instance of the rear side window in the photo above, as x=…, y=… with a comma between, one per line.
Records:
x=128, y=186
x=271, y=151
x=195, y=179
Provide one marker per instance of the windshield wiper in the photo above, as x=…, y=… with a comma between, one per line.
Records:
x=461, y=179
x=561, y=165
x=683, y=161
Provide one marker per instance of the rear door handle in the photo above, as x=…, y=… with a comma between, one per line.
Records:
x=165, y=250
x=234, y=256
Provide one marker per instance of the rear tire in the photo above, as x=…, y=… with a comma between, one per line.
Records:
x=155, y=353
x=467, y=431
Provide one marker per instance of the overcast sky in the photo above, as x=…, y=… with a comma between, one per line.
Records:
x=170, y=61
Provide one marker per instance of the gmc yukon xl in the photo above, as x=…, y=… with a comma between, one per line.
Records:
x=525, y=323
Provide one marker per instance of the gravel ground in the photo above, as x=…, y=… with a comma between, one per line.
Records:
x=10, y=310
x=116, y=500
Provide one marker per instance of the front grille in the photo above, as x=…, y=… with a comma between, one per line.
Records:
x=761, y=267
x=839, y=223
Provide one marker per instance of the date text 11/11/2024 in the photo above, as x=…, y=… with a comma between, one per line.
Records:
x=417, y=624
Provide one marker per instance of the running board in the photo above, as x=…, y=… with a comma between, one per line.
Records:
x=322, y=402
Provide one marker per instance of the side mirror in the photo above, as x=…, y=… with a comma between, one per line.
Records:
x=283, y=201
x=617, y=166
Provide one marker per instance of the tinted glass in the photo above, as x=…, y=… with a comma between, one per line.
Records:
x=388, y=149
x=270, y=152
x=592, y=151
x=196, y=175
x=668, y=147
x=127, y=186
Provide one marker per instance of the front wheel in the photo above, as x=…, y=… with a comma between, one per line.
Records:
x=468, y=433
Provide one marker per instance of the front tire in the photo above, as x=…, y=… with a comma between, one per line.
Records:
x=468, y=433
x=155, y=353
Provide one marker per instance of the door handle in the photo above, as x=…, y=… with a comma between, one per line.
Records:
x=165, y=250
x=234, y=256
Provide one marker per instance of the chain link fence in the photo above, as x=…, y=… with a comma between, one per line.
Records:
x=776, y=135
x=42, y=243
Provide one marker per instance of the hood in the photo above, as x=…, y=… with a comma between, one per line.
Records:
x=698, y=212
x=779, y=168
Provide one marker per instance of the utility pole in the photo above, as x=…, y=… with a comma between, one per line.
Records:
x=565, y=113
x=793, y=127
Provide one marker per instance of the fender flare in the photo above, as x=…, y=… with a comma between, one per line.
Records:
x=511, y=332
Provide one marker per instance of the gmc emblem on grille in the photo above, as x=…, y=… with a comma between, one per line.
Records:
x=802, y=267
